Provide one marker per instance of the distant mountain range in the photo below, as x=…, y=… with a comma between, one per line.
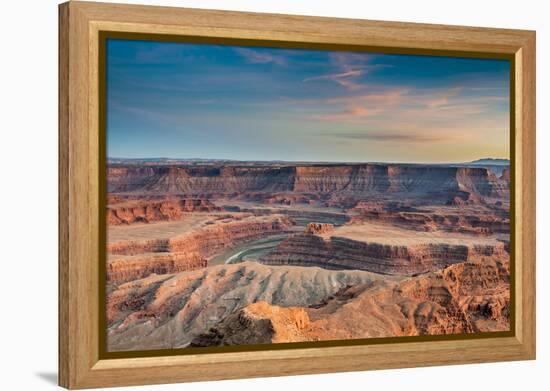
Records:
x=490, y=161
x=160, y=160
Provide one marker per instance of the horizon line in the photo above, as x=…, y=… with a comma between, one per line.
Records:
x=304, y=161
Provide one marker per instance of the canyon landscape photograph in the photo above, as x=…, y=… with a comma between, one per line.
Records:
x=262, y=195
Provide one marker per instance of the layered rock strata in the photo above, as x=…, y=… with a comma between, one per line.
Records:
x=127, y=268
x=133, y=259
x=477, y=221
x=463, y=298
x=343, y=253
x=420, y=180
x=153, y=210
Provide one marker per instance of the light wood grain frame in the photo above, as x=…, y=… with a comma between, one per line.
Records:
x=80, y=23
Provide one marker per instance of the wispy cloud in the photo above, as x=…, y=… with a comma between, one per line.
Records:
x=360, y=107
x=350, y=60
x=410, y=104
x=442, y=98
x=253, y=56
x=350, y=114
x=336, y=76
x=351, y=66
x=391, y=137
x=345, y=79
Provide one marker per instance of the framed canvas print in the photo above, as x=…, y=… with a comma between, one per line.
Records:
x=248, y=195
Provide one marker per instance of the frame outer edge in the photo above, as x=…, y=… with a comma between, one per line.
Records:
x=76, y=295
x=528, y=123
x=64, y=367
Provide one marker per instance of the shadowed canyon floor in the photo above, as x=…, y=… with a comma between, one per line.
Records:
x=209, y=253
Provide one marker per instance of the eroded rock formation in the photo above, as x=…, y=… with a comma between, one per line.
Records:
x=344, y=253
x=418, y=180
x=147, y=211
x=318, y=228
x=132, y=259
x=206, y=240
x=127, y=268
x=168, y=311
x=463, y=298
x=258, y=323
x=474, y=220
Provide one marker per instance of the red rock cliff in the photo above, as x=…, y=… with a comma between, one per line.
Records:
x=138, y=259
x=343, y=253
x=324, y=179
x=149, y=211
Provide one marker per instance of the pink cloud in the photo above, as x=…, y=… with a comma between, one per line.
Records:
x=360, y=107
x=384, y=98
x=431, y=107
x=391, y=136
x=350, y=114
x=443, y=98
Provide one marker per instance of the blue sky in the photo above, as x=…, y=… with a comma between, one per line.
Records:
x=252, y=103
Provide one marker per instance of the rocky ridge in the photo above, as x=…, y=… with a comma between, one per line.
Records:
x=168, y=311
x=477, y=221
x=463, y=298
x=132, y=259
x=334, y=252
x=147, y=211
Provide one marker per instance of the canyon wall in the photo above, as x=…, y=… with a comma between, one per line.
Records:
x=188, y=251
x=208, y=239
x=125, y=269
x=324, y=179
x=476, y=221
x=147, y=211
x=343, y=253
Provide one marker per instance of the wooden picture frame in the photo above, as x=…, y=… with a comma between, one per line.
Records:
x=80, y=26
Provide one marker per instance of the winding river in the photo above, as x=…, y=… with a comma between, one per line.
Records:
x=248, y=251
